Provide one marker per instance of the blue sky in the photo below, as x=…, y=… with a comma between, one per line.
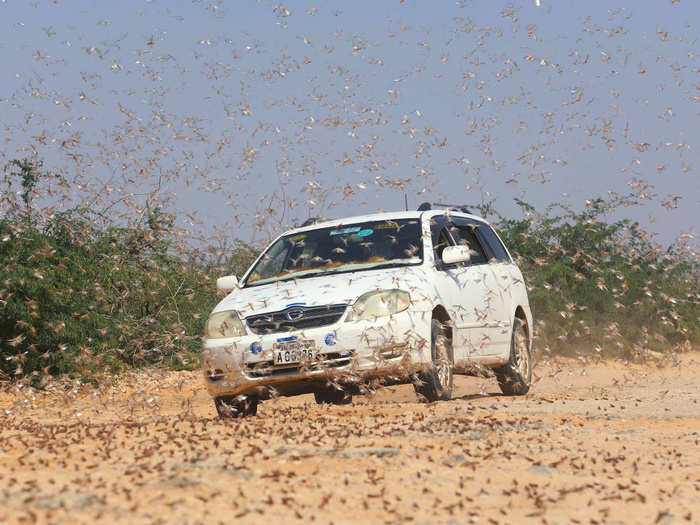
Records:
x=245, y=117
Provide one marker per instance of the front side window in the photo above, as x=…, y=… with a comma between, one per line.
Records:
x=465, y=235
x=443, y=241
x=346, y=248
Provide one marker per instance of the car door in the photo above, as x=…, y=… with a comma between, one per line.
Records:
x=487, y=320
x=507, y=273
x=449, y=283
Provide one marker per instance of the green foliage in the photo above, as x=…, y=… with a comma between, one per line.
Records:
x=28, y=172
x=603, y=286
x=79, y=299
x=75, y=299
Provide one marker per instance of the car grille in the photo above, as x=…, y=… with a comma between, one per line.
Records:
x=325, y=362
x=295, y=318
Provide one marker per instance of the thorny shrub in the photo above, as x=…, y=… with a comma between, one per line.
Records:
x=77, y=298
x=604, y=287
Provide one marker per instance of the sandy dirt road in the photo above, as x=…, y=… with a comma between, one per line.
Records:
x=592, y=443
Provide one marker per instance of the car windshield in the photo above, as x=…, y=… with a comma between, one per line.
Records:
x=344, y=248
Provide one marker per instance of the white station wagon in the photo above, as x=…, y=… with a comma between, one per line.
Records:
x=338, y=307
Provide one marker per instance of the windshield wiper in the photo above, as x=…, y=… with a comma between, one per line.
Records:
x=283, y=279
x=391, y=265
x=346, y=270
x=306, y=275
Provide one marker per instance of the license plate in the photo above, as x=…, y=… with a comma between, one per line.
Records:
x=290, y=352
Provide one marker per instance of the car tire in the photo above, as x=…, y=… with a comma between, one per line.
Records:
x=332, y=396
x=437, y=382
x=236, y=406
x=515, y=377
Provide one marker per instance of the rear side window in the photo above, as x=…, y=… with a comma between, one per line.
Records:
x=494, y=243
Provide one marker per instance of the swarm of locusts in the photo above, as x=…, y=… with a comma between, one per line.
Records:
x=148, y=151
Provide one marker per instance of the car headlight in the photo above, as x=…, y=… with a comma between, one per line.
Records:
x=223, y=324
x=379, y=304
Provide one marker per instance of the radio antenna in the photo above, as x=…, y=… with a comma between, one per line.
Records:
x=405, y=199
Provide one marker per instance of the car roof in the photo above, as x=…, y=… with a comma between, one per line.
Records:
x=386, y=216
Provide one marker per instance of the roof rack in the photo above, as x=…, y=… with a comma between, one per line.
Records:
x=310, y=221
x=455, y=207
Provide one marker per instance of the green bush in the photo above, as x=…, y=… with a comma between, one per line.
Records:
x=603, y=286
x=79, y=299
x=76, y=299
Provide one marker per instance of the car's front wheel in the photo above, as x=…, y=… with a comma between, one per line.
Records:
x=515, y=377
x=332, y=396
x=436, y=383
x=236, y=406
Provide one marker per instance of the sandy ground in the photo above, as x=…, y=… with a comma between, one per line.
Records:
x=591, y=443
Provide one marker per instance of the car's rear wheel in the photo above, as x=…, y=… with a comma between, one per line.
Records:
x=332, y=396
x=437, y=382
x=515, y=377
x=236, y=406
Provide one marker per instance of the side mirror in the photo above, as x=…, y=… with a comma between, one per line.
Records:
x=227, y=283
x=456, y=254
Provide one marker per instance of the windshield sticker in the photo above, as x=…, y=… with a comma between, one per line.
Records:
x=365, y=233
x=298, y=237
x=346, y=230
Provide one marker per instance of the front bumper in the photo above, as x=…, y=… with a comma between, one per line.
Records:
x=386, y=349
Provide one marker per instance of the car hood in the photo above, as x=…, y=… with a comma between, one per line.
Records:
x=320, y=290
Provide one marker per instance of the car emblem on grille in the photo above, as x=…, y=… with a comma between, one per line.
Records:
x=295, y=314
